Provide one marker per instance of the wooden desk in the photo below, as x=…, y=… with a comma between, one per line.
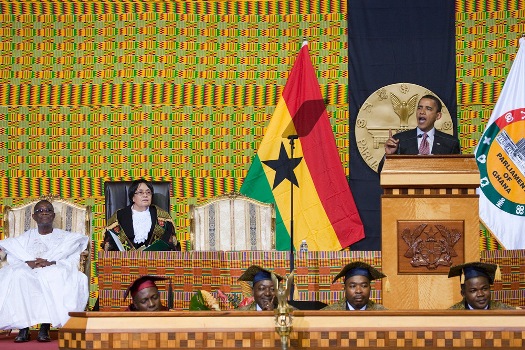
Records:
x=311, y=329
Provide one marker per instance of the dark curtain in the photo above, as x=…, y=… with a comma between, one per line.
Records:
x=395, y=41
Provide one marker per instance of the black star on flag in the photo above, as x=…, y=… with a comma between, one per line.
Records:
x=284, y=167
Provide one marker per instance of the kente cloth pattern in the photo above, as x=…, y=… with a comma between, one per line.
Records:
x=511, y=288
x=192, y=271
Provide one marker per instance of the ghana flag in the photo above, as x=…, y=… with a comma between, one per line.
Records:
x=324, y=212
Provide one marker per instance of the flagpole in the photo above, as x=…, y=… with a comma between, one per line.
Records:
x=292, y=256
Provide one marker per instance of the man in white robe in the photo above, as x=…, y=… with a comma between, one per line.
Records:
x=41, y=282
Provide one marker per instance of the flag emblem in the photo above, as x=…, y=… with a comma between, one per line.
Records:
x=501, y=162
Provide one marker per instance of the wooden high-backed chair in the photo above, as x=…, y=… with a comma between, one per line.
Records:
x=232, y=222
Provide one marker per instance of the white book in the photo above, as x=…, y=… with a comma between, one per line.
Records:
x=117, y=241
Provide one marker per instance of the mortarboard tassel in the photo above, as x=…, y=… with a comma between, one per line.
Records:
x=497, y=275
x=170, y=295
x=387, y=285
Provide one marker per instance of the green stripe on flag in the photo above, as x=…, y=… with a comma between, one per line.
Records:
x=256, y=186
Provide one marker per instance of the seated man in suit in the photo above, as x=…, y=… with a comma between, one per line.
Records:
x=263, y=289
x=41, y=282
x=424, y=139
x=145, y=294
x=476, y=278
x=357, y=287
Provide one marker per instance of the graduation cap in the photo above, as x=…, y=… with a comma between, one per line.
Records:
x=256, y=273
x=142, y=283
x=359, y=268
x=473, y=269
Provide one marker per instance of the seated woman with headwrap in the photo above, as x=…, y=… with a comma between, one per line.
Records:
x=141, y=224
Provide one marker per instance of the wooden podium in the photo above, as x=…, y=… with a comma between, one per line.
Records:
x=430, y=221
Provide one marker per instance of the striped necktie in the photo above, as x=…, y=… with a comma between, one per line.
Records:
x=424, y=147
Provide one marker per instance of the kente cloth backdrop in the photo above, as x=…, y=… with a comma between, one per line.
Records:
x=501, y=160
x=324, y=211
x=395, y=41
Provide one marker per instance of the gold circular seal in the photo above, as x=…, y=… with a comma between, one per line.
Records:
x=392, y=107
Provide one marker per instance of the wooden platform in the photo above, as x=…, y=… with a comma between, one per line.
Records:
x=311, y=329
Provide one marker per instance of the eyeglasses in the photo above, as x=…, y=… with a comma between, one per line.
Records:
x=44, y=210
x=143, y=193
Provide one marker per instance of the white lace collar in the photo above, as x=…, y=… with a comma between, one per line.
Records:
x=141, y=225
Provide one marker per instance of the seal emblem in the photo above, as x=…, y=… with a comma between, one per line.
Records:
x=392, y=107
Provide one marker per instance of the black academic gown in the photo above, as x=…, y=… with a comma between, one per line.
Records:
x=121, y=223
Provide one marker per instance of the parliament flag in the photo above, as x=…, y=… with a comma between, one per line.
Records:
x=500, y=155
x=324, y=211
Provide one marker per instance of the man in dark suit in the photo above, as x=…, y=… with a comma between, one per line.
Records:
x=424, y=139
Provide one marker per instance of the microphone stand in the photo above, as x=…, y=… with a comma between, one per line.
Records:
x=292, y=139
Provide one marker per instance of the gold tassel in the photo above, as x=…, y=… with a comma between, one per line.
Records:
x=295, y=292
x=387, y=285
x=497, y=276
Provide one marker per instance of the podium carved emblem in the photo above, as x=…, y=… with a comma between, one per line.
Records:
x=432, y=244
